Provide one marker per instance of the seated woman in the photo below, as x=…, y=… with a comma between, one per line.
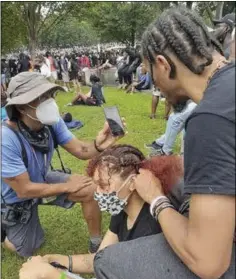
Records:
x=143, y=83
x=94, y=97
x=113, y=171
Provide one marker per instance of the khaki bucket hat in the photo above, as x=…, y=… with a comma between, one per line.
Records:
x=26, y=87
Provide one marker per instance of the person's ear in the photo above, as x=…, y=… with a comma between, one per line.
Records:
x=132, y=184
x=162, y=64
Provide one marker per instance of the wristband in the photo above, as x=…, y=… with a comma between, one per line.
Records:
x=161, y=207
x=154, y=202
x=63, y=275
x=96, y=147
x=70, y=263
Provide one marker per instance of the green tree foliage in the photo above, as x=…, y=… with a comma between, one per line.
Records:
x=74, y=32
x=122, y=21
x=54, y=24
x=14, y=31
x=28, y=20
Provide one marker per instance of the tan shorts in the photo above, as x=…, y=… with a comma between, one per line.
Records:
x=156, y=92
x=65, y=77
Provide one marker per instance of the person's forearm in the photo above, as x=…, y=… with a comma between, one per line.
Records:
x=185, y=244
x=174, y=227
x=85, y=151
x=80, y=263
x=41, y=190
x=83, y=263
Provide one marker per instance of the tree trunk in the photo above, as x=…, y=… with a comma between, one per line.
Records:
x=219, y=10
x=189, y=4
x=31, y=19
x=134, y=6
x=32, y=47
x=132, y=38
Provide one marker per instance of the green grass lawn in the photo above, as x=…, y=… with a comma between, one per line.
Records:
x=65, y=230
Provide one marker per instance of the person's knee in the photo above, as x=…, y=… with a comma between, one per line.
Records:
x=8, y=245
x=23, y=250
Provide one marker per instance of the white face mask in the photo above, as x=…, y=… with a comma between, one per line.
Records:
x=47, y=112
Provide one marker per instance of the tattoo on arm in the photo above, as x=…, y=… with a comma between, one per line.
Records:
x=84, y=149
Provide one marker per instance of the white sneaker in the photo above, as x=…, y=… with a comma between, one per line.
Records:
x=68, y=105
x=66, y=89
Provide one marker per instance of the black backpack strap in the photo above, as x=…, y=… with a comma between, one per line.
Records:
x=54, y=138
x=23, y=150
x=56, y=147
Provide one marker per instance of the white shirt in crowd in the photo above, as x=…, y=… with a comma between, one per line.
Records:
x=45, y=70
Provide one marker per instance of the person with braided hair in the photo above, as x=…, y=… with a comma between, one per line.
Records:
x=113, y=171
x=181, y=54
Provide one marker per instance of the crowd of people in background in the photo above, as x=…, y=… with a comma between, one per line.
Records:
x=71, y=65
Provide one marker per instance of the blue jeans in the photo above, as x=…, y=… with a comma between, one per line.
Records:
x=175, y=125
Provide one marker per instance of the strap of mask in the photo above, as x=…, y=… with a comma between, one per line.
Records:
x=126, y=181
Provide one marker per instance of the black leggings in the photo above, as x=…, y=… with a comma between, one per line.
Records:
x=122, y=74
x=128, y=79
x=141, y=86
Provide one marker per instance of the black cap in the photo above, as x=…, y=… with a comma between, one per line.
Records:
x=228, y=19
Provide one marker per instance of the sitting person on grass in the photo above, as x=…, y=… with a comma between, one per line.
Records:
x=114, y=172
x=143, y=83
x=94, y=97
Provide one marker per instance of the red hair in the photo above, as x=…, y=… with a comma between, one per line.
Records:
x=168, y=169
x=125, y=159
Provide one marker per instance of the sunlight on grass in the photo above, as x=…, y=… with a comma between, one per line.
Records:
x=65, y=230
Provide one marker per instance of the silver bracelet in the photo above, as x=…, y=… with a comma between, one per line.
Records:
x=161, y=207
x=153, y=203
x=156, y=203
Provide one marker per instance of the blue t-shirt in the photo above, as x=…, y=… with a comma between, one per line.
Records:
x=12, y=162
x=3, y=114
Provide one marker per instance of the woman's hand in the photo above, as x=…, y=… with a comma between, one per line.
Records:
x=147, y=185
x=38, y=268
x=105, y=138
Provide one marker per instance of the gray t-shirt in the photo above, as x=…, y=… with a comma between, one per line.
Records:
x=209, y=158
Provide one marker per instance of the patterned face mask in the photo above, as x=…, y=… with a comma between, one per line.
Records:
x=111, y=202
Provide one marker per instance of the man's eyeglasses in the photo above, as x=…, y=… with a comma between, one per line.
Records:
x=48, y=95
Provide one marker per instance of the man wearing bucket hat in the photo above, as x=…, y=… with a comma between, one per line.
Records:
x=28, y=134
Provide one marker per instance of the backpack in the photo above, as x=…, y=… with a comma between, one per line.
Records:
x=24, y=153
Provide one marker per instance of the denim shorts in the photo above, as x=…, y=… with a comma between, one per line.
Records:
x=28, y=237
